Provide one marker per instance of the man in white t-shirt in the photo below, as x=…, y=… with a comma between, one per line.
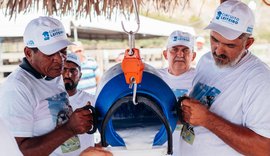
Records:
x=229, y=104
x=179, y=74
x=77, y=98
x=8, y=144
x=34, y=103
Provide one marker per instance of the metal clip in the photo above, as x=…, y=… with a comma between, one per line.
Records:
x=131, y=34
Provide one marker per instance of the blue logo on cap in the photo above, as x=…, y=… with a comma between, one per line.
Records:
x=52, y=33
x=181, y=38
x=227, y=18
x=30, y=43
x=218, y=15
x=46, y=35
x=56, y=32
x=249, y=29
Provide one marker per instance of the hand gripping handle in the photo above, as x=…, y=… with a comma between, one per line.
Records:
x=94, y=126
x=179, y=108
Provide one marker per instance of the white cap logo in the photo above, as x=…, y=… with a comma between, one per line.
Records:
x=178, y=37
x=181, y=38
x=227, y=18
x=47, y=34
x=232, y=18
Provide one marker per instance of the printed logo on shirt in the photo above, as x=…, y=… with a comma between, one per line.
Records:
x=205, y=94
x=61, y=112
x=179, y=92
x=58, y=104
x=72, y=144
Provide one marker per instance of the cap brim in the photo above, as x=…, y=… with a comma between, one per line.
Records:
x=228, y=33
x=178, y=44
x=69, y=60
x=55, y=47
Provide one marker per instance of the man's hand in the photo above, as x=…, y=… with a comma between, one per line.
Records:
x=194, y=112
x=95, y=151
x=80, y=121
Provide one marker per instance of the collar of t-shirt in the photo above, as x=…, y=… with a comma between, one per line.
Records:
x=27, y=66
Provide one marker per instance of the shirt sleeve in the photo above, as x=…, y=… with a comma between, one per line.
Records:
x=256, y=115
x=17, y=108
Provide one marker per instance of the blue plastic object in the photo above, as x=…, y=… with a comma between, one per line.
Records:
x=113, y=87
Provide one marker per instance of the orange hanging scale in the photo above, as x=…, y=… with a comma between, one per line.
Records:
x=133, y=66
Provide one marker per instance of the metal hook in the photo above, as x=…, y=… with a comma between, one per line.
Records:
x=134, y=84
x=131, y=34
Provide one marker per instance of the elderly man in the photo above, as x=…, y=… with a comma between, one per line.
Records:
x=179, y=74
x=228, y=107
x=34, y=103
x=179, y=53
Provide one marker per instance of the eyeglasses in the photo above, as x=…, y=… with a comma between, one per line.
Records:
x=184, y=50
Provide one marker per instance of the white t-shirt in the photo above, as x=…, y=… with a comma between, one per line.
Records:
x=239, y=94
x=181, y=85
x=79, y=100
x=33, y=107
x=8, y=145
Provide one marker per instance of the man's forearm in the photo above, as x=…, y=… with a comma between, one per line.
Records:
x=240, y=138
x=45, y=144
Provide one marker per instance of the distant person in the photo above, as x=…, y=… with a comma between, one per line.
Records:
x=120, y=57
x=179, y=54
x=200, y=41
x=200, y=49
x=77, y=98
x=229, y=103
x=34, y=103
x=90, y=72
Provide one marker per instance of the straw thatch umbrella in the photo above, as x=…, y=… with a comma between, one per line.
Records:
x=88, y=7
x=81, y=7
x=85, y=7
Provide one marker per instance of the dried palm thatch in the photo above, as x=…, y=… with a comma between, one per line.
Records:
x=267, y=2
x=84, y=7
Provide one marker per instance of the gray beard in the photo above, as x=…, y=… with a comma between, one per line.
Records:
x=232, y=63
